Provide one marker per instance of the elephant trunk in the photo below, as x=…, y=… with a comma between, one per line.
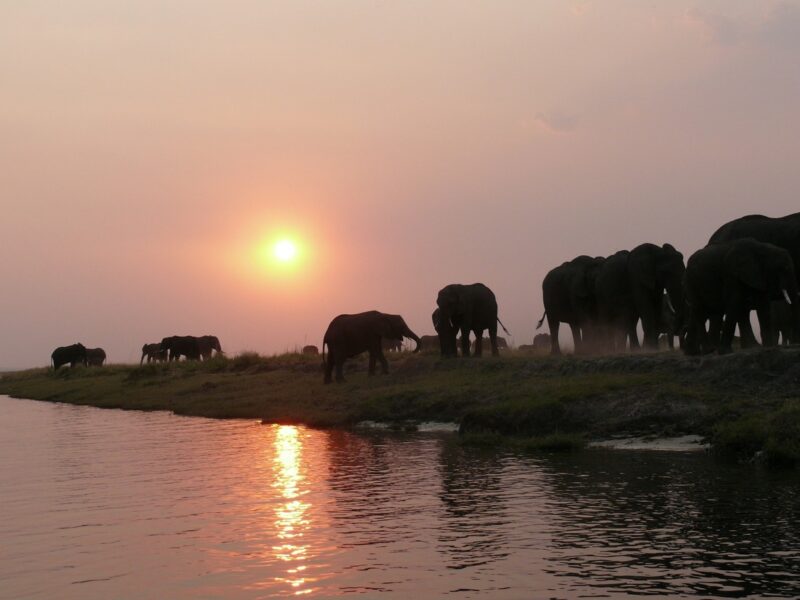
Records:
x=410, y=334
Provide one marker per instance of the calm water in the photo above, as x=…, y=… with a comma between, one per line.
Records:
x=111, y=504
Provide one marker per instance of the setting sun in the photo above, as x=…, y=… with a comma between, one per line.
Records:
x=285, y=250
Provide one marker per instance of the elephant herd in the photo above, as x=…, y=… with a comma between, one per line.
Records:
x=748, y=264
x=460, y=309
x=170, y=348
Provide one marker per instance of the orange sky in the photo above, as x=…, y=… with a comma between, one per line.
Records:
x=147, y=150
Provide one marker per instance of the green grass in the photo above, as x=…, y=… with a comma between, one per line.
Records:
x=771, y=434
x=533, y=402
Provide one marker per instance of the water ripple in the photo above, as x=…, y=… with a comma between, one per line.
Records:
x=100, y=504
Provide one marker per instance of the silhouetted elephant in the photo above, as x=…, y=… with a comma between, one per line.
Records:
x=541, y=340
x=207, y=344
x=153, y=352
x=630, y=286
x=74, y=355
x=725, y=281
x=466, y=308
x=501, y=343
x=390, y=345
x=568, y=294
x=310, y=350
x=429, y=343
x=529, y=347
x=350, y=335
x=181, y=345
x=782, y=322
x=95, y=357
x=783, y=232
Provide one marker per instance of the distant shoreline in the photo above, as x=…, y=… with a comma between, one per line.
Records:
x=746, y=404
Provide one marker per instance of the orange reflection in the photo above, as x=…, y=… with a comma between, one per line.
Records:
x=291, y=519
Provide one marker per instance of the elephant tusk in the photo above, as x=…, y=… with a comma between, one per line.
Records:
x=669, y=304
x=786, y=296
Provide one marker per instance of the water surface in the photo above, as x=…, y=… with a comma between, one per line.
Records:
x=112, y=504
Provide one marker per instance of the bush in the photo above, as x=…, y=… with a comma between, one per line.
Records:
x=247, y=360
x=782, y=446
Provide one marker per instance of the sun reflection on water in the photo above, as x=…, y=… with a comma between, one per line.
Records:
x=291, y=519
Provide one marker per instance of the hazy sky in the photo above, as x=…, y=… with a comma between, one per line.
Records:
x=149, y=149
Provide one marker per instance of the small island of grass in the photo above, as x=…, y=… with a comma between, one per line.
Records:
x=746, y=404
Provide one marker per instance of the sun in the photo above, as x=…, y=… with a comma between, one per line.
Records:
x=285, y=250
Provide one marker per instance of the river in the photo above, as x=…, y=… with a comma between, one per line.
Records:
x=113, y=504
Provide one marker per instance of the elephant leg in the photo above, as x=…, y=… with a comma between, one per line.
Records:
x=493, y=341
x=712, y=338
x=553, y=325
x=339, y=362
x=329, y=366
x=633, y=335
x=577, y=338
x=478, y=343
x=769, y=337
x=384, y=363
x=464, y=343
x=734, y=313
x=728, y=327
x=696, y=340
x=670, y=341
x=748, y=338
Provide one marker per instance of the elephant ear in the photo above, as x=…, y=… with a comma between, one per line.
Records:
x=642, y=269
x=741, y=262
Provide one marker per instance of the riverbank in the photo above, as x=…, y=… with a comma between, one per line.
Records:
x=746, y=404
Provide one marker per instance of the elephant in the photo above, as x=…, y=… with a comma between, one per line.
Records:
x=631, y=285
x=502, y=344
x=207, y=344
x=429, y=342
x=391, y=345
x=350, y=335
x=725, y=281
x=153, y=353
x=568, y=294
x=782, y=322
x=447, y=344
x=541, y=340
x=529, y=347
x=74, y=355
x=310, y=350
x=783, y=232
x=181, y=345
x=466, y=308
x=95, y=357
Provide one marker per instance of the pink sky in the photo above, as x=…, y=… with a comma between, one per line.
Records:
x=147, y=149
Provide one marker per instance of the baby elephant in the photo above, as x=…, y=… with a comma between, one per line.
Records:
x=350, y=335
x=153, y=353
x=310, y=350
x=95, y=357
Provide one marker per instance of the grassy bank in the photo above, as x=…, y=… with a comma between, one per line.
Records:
x=746, y=403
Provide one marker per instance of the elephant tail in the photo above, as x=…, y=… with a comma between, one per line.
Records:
x=503, y=326
x=539, y=324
